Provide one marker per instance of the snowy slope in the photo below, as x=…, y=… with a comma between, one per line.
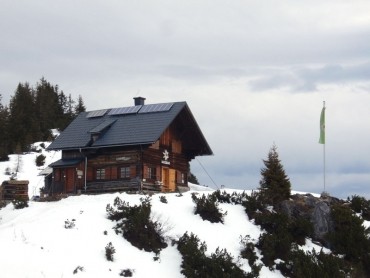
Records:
x=35, y=243
x=27, y=169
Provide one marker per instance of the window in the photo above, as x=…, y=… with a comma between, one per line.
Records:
x=124, y=172
x=100, y=174
x=152, y=173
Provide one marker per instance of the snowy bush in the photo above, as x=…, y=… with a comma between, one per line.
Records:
x=248, y=250
x=163, y=199
x=312, y=264
x=69, y=224
x=40, y=160
x=20, y=204
x=135, y=225
x=361, y=205
x=207, y=208
x=195, y=263
x=77, y=269
x=126, y=272
x=109, y=251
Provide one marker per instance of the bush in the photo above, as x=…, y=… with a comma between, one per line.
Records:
x=135, y=225
x=252, y=204
x=248, y=250
x=109, y=251
x=349, y=237
x=312, y=264
x=163, y=199
x=69, y=224
x=196, y=264
x=20, y=203
x=207, y=208
x=40, y=160
x=362, y=206
x=300, y=228
x=77, y=269
x=126, y=272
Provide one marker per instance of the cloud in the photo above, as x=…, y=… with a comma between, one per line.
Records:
x=307, y=79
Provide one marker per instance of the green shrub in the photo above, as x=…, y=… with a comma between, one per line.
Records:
x=207, y=208
x=196, y=264
x=350, y=238
x=248, y=252
x=300, y=229
x=361, y=205
x=312, y=265
x=252, y=204
x=135, y=225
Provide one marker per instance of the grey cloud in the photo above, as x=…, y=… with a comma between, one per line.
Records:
x=305, y=79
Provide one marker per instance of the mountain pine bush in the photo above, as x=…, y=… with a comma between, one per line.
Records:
x=207, y=208
x=301, y=264
x=196, y=264
x=136, y=226
x=361, y=205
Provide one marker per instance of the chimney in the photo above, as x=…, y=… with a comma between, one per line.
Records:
x=139, y=100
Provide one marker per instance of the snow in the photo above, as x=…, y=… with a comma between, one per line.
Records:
x=35, y=242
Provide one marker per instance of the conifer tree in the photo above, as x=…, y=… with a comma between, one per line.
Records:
x=274, y=183
x=50, y=113
x=80, y=106
x=23, y=126
x=4, y=117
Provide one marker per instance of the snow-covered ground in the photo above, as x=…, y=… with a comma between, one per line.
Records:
x=35, y=243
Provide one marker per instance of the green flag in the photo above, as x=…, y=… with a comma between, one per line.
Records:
x=322, y=126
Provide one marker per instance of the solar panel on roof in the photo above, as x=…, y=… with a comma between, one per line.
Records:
x=97, y=113
x=159, y=107
x=125, y=110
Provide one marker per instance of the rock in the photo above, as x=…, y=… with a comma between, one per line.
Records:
x=321, y=219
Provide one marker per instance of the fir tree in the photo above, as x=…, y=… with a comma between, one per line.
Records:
x=274, y=184
x=49, y=111
x=23, y=126
x=80, y=106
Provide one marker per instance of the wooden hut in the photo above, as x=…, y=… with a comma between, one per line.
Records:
x=128, y=148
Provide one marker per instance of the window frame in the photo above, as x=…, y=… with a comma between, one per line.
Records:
x=100, y=174
x=126, y=170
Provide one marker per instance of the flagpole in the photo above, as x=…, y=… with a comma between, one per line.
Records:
x=324, y=153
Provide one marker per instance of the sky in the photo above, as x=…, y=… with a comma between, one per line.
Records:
x=254, y=74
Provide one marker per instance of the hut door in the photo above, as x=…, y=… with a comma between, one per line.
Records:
x=70, y=179
x=168, y=179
